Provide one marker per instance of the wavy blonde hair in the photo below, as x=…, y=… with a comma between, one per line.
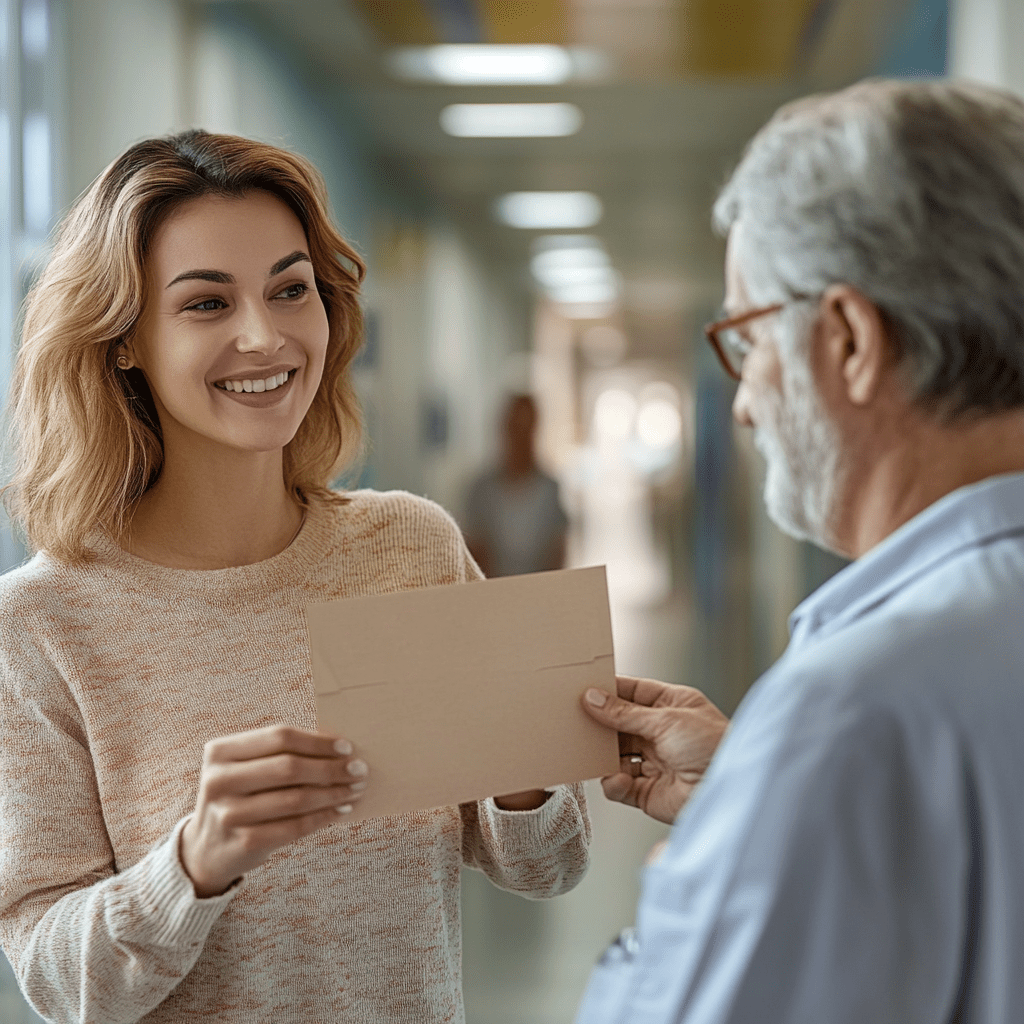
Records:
x=84, y=435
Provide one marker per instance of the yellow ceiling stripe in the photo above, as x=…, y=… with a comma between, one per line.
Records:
x=741, y=37
x=541, y=21
x=400, y=22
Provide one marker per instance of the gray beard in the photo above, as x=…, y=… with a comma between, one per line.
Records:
x=801, y=448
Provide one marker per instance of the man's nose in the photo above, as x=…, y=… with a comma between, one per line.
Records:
x=257, y=331
x=741, y=406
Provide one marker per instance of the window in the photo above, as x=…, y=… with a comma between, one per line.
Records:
x=27, y=172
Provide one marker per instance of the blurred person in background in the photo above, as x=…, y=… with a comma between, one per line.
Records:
x=513, y=521
x=854, y=851
x=175, y=844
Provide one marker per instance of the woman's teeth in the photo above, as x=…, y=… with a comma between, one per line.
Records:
x=254, y=385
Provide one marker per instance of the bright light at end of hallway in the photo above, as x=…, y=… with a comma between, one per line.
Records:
x=511, y=120
x=658, y=424
x=541, y=210
x=485, y=64
x=614, y=414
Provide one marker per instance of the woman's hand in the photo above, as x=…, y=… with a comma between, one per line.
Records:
x=260, y=791
x=673, y=731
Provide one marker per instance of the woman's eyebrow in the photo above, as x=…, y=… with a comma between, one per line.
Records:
x=292, y=258
x=216, y=276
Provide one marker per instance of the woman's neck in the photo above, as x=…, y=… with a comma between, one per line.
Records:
x=215, y=512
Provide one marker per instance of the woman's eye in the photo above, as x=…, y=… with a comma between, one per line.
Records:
x=293, y=291
x=208, y=306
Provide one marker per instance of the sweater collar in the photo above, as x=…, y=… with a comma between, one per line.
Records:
x=290, y=567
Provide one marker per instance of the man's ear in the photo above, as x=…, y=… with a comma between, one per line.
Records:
x=856, y=344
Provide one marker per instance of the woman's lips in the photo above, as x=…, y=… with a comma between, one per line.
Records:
x=259, y=399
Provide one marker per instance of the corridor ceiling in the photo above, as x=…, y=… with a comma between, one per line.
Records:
x=689, y=81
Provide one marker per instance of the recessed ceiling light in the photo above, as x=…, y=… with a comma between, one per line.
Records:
x=485, y=64
x=544, y=243
x=605, y=291
x=554, y=261
x=511, y=120
x=533, y=210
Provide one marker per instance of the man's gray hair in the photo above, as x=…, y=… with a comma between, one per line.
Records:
x=912, y=193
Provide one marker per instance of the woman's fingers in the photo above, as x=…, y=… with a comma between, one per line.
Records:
x=281, y=771
x=272, y=835
x=278, y=804
x=275, y=739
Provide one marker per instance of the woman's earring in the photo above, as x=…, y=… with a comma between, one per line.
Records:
x=123, y=362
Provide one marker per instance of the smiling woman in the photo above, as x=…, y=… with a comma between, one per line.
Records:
x=175, y=842
x=103, y=449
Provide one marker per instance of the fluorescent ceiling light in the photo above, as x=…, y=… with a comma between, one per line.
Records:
x=544, y=243
x=589, y=293
x=484, y=64
x=579, y=277
x=557, y=261
x=511, y=120
x=549, y=209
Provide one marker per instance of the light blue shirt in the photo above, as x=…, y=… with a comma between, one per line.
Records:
x=855, y=853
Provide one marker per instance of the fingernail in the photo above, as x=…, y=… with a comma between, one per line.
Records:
x=344, y=809
x=597, y=697
x=343, y=747
x=357, y=787
x=358, y=768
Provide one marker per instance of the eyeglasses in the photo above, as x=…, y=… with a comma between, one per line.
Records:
x=730, y=346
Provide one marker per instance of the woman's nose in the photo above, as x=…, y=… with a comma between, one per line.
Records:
x=257, y=331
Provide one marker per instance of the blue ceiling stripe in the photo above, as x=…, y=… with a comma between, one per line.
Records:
x=919, y=46
x=456, y=21
x=814, y=27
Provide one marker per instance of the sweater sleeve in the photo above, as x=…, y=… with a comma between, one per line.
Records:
x=89, y=942
x=538, y=853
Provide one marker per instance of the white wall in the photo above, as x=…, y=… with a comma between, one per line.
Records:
x=126, y=79
x=986, y=42
x=149, y=67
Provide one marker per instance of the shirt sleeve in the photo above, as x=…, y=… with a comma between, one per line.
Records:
x=819, y=874
x=87, y=941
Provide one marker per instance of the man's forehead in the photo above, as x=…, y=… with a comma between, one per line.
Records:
x=735, y=289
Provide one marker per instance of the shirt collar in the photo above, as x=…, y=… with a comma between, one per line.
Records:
x=965, y=518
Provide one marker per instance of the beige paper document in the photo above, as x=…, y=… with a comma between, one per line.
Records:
x=458, y=693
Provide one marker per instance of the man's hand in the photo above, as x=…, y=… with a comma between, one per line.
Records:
x=675, y=729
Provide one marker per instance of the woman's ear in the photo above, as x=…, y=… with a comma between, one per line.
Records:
x=856, y=348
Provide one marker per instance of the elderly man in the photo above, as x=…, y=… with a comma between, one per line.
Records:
x=854, y=854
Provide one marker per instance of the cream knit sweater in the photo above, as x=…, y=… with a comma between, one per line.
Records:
x=112, y=677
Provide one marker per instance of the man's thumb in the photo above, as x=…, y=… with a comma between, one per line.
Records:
x=616, y=713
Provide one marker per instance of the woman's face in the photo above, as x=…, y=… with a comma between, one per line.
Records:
x=233, y=336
